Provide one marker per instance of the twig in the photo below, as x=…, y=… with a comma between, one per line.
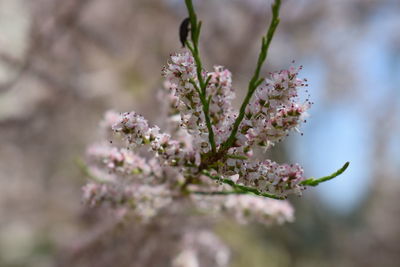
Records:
x=255, y=80
x=194, y=49
x=242, y=188
x=314, y=182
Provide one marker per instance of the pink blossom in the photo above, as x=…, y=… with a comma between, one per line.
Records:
x=179, y=154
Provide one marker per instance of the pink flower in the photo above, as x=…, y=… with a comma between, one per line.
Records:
x=179, y=155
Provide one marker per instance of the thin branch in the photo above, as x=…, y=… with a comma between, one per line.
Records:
x=242, y=188
x=255, y=80
x=315, y=182
x=194, y=49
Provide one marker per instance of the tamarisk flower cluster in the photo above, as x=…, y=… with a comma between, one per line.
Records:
x=129, y=178
x=271, y=114
x=274, y=111
x=206, y=154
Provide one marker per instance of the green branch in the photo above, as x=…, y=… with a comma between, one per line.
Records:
x=242, y=188
x=194, y=49
x=314, y=182
x=255, y=80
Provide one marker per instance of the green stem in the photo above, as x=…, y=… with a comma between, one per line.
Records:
x=239, y=187
x=314, y=182
x=193, y=19
x=255, y=80
x=194, y=49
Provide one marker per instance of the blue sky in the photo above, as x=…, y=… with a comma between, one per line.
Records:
x=341, y=132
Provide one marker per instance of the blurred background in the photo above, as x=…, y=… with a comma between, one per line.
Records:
x=64, y=63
